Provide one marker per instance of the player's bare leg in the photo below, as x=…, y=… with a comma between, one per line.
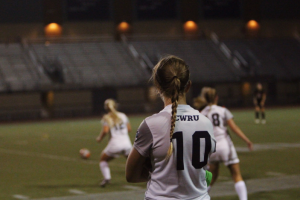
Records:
x=240, y=186
x=257, y=110
x=104, y=159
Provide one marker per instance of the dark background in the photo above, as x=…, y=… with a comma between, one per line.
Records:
x=19, y=11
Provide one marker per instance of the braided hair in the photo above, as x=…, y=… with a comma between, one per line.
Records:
x=170, y=76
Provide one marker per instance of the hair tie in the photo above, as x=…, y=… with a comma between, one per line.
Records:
x=174, y=77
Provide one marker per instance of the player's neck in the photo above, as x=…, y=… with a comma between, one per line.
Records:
x=181, y=100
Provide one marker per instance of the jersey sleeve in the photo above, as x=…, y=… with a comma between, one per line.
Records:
x=228, y=114
x=143, y=140
x=126, y=120
x=212, y=136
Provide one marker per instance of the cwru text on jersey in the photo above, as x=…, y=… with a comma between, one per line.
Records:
x=187, y=117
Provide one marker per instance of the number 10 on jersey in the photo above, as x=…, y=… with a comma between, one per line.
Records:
x=200, y=149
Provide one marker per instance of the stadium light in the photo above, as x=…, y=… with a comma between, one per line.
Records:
x=190, y=27
x=53, y=29
x=253, y=25
x=123, y=27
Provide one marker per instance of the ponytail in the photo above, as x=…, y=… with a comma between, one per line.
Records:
x=206, y=97
x=112, y=117
x=210, y=95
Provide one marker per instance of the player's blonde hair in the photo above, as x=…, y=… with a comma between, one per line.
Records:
x=207, y=97
x=200, y=101
x=170, y=76
x=111, y=117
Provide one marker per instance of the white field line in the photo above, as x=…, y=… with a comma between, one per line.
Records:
x=275, y=174
x=18, y=196
x=257, y=147
x=48, y=156
x=269, y=146
x=258, y=185
x=131, y=187
x=74, y=191
x=220, y=189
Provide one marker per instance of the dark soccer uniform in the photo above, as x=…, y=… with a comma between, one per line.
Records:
x=258, y=95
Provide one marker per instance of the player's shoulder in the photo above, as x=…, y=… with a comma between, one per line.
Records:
x=121, y=114
x=220, y=108
x=105, y=117
x=158, y=118
x=205, y=110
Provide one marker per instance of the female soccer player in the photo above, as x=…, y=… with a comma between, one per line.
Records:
x=117, y=124
x=226, y=153
x=174, y=145
x=259, y=103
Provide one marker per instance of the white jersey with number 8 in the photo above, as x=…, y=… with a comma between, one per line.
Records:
x=182, y=176
x=226, y=152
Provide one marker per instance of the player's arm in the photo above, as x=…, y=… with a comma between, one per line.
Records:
x=104, y=131
x=239, y=133
x=129, y=127
x=135, y=168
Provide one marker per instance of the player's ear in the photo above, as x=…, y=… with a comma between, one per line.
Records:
x=188, y=86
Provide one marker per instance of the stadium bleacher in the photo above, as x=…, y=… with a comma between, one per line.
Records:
x=204, y=58
x=93, y=64
x=17, y=72
x=273, y=57
x=109, y=63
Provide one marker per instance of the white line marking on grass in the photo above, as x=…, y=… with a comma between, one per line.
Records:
x=220, y=189
x=257, y=185
x=49, y=156
x=131, y=187
x=275, y=174
x=18, y=196
x=74, y=191
x=269, y=146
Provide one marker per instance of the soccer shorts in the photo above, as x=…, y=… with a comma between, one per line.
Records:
x=225, y=152
x=115, y=148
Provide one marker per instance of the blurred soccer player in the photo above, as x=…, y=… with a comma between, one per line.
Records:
x=259, y=103
x=176, y=142
x=117, y=124
x=226, y=153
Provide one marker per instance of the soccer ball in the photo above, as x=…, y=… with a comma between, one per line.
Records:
x=84, y=153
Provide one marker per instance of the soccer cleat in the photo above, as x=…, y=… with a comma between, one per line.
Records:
x=256, y=121
x=263, y=121
x=104, y=182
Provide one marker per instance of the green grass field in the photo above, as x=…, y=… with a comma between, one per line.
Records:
x=41, y=159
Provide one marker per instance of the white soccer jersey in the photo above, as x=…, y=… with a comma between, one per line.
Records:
x=119, y=142
x=119, y=130
x=226, y=152
x=182, y=176
x=219, y=117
